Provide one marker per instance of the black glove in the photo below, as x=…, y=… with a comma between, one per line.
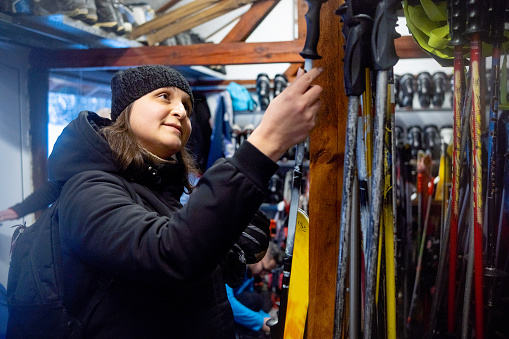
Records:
x=233, y=266
x=254, y=240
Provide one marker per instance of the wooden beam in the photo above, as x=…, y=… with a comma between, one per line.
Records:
x=171, y=17
x=235, y=53
x=327, y=144
x=291, y=71
x=250, y=20
x=407, y=48
x=194, y=20
x=302, y=8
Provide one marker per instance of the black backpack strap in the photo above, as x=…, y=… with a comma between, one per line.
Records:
x=103, y=283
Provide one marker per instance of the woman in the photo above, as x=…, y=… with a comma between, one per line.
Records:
x=165, y=259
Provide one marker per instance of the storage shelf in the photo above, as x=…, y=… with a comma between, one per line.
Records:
x=58, y=32
x=423, y=117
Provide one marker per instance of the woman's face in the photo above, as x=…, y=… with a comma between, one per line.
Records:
x=160, y=121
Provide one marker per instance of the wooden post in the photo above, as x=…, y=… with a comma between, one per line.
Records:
x=327, y=144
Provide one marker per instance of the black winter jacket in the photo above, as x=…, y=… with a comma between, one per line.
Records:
x=163, y=257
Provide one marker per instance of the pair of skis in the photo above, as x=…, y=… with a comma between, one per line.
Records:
x=369, y=31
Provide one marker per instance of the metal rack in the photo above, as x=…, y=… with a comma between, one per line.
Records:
x=58, y=32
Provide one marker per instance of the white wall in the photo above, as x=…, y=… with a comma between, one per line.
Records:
x=279, y=25
x=15, y=160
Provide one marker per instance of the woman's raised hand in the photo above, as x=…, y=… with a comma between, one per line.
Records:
x=290, y=117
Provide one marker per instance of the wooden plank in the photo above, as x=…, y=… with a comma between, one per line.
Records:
x=302, y=8
x=250, y=20
x=327, y=143
x=194, y=20
x=171, y=17
x=407, y=48
x=234, y=53
x=291, y=71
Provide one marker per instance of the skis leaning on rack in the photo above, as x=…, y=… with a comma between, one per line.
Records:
x=368, y=246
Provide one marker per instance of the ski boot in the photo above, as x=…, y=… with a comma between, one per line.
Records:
x=446, y=134
x=75, y=9
x=236, y=134
x=414, y=138
x=275, y=190
x=432, y=141
x=263, y=89
x=280, y=83
x=17, y=7
x=424, y=89
x=406, y=91
x=120, y=18
x=106, y=16
x=440, y=85
x=247, y=130
x=399, y=135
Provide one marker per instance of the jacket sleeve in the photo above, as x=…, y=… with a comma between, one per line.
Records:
x=244, y=315
x=40, y=199
x=103, y=226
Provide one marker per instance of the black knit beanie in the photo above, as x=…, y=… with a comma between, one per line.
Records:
x=131, y=84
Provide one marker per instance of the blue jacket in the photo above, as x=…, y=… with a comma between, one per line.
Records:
x=242, y=314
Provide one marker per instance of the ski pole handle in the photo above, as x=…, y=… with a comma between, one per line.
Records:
x=457, y=22
x=357, y=57
x=384, y=33
x=475, y=17
x=497, y=21
x=313, y=30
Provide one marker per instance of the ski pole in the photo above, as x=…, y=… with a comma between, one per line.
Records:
x=470, y=272
x=457, y=25
x=389, y=215
x=496, y=38
x=406, y=174
x=504, y=203
x=474, y=29
x=384, y=58
x=355, y=307
x=309, y=53
x=421, y=251
x=358, y=27
x=446, y=136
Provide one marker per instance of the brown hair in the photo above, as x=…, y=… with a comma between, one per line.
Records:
x=129, y=154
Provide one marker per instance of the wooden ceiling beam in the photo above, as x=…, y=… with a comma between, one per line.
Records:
x=407, y=48
x=171, y=17
x=250, y=21
x=227, y=53
x=234, y=53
